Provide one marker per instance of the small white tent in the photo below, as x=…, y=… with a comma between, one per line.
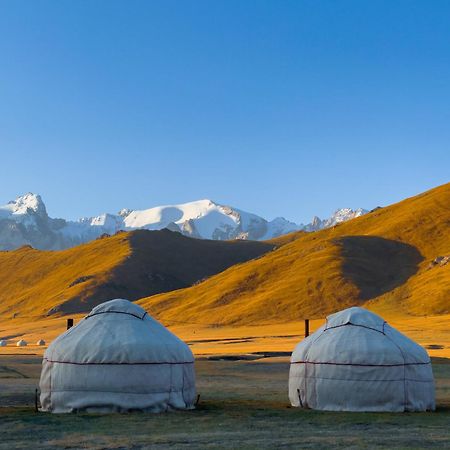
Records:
x=357, y=362
x=40, y=342
x=3, y=343
x=22, y=343
x=117, y=359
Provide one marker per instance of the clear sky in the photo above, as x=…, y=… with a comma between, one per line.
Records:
x=282, y=108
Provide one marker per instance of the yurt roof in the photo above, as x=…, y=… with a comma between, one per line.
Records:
x=118, y=332
x=119, y=305
x=357, y=336
x=356, y=316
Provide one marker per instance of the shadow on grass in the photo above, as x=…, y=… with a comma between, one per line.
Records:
x=377, y=265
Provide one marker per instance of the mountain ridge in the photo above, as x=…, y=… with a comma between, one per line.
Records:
x=393, y=259
x=25, y=221
x=129, y=265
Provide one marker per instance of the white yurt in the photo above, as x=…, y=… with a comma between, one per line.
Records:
x=357, y=362
x=22, y=343
x=3, y=342
x=117, y=359
x=40, y=342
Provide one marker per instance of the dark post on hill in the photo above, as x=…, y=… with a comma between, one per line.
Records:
x=306, y=328
x=69, y=323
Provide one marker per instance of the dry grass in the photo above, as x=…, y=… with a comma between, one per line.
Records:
x=128, y=265
x=432, y=332
x=381, y=259
x=33, y=281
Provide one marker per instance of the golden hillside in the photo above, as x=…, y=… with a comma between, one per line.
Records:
x=129, y=265
x=381, y=259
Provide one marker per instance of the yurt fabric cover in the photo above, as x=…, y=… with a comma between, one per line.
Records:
x=357, y=362
x=117, y=359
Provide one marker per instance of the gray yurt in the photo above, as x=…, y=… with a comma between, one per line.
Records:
x=357, y=362
x=120, y=359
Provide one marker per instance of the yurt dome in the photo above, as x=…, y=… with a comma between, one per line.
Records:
x=22, y=343
x=357, y=362
x=40, y=342
x=117, y=359
x=3, y=342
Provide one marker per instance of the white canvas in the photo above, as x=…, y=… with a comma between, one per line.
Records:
x=120, y=359
x=357, y=362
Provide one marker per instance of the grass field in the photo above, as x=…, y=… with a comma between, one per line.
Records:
x=243, y=404
x=432, y=332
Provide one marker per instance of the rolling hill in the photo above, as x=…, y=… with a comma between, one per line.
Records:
x=385, y=260
x=130, y=265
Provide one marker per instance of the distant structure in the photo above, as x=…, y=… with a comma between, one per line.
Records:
x=40, y=342
x=3, y=343
x=22, y=343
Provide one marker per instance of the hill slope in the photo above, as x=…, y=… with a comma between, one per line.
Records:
x=382, y=259
x=130, y=265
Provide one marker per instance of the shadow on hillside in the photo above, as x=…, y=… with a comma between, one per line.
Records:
x=377, y=265
x=159, y=261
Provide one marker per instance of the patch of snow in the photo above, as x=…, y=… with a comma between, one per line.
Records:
x=200, y=219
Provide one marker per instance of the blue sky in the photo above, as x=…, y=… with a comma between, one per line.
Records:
x=290, y=108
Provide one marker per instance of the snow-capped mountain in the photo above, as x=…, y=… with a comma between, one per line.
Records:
x=203, y=219
x=25, y=221
x=341, y=215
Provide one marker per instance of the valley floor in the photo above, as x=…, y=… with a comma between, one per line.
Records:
x=432, y=332
x=243, y=405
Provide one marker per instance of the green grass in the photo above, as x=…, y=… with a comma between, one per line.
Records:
x=243, y=405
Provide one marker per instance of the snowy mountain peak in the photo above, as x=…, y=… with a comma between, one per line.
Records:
x=26, y=203
x=24, y=221
x=339, y=216
x=207, y=216
x=344, y=214
x=204, y=201
x=124, y=212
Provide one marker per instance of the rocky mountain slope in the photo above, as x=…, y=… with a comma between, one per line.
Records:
x=25, y=221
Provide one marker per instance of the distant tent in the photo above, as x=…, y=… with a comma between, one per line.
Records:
x=357, y=362
x=117, y=359
x=3, y=343
x=40, y=342
x=22, y=343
